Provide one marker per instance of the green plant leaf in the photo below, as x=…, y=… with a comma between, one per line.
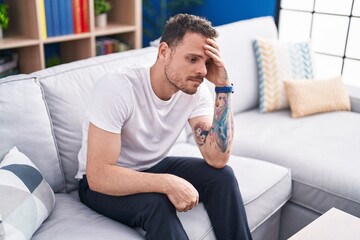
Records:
x=4, y=16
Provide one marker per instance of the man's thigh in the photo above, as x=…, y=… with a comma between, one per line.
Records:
x=194, y=170
x=130, y=210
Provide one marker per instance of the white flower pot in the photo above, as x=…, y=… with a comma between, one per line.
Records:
x=101, y=20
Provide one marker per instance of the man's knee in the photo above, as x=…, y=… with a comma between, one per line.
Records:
x=225, y=177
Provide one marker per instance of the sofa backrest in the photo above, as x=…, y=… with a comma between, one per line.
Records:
x=235, y=41
x=25, y=123
x=67, y=89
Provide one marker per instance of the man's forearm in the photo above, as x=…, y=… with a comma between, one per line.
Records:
x=215, y=141
x=120, y=181
x=221, y=132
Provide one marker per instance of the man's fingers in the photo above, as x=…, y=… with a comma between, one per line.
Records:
x=212, y=43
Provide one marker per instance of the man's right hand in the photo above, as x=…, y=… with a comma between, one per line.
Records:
x=181, y=193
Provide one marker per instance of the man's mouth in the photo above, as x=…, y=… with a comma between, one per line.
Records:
x=196, y=79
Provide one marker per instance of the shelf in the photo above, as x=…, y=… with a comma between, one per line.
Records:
x=24, y=35
x=17, y=41
x=65, y=38
x=114, y=29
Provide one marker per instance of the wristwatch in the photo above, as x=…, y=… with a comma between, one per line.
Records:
x=224, y=89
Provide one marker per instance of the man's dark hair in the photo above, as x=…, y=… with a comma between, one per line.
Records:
x=177, y=26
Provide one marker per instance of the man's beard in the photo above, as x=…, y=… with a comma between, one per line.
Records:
x=176, y=81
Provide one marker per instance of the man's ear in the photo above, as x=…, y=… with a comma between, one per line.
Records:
x=163, y=49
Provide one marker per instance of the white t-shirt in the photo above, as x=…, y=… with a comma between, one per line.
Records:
x=125, y=103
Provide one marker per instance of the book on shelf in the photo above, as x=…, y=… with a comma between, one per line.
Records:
x=55, y=14
x=63, y=17
x=42, y=19
x=106, y=45
x=76, y=16
x=69, y=17
x=8, y=64
x=84, y=9
x=49, y=19
x=66, y=17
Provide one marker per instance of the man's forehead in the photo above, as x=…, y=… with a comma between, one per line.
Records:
x=193, y=44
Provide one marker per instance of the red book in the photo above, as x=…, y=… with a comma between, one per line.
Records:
x=76, y=16
x=84, y=8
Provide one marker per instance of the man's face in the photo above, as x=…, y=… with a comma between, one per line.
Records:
x=185, y=68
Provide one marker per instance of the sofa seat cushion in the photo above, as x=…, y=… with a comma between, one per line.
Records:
x=25, y=123
x=322, y=152
x=265, y=187
x=73, y=220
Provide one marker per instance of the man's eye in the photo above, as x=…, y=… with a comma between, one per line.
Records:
x=192, y=59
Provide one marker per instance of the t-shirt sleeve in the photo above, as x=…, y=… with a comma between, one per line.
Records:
x=205, y=103
x=111, y=104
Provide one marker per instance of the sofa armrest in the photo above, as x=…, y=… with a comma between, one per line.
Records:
x=354, y=93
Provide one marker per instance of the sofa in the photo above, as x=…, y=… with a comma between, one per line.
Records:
x=284, y=186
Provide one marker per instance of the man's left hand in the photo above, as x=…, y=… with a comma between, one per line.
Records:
x=216, y=72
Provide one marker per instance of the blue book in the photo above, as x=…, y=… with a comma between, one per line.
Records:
x=56, y=17
x=62, y=16
x=69, y=17
x=49, y=20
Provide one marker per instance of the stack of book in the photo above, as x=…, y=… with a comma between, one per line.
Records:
x=8, y=64
x=106, y=45
x=63, y=17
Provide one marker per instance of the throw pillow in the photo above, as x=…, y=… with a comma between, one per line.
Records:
x=26, y=198
x=317, y=96
x=277, y=61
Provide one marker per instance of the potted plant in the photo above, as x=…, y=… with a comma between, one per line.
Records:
x=4, y=18
x=101, y=8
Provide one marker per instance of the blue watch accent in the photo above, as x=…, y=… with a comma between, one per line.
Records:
x=225, y=89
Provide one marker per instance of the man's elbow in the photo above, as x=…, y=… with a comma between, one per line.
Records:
x=93, y=180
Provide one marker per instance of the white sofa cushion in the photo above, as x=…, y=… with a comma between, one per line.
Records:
x=236, y=46
x=73, y=220
x=322, y=152
x=25, y=123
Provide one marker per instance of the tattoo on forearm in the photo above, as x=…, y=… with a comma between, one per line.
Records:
x=222, y=129
x=221, y=133
x=201, y=133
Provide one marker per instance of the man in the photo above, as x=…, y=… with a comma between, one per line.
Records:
x=134, y=119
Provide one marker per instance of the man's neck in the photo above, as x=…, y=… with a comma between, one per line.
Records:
x=162, y=88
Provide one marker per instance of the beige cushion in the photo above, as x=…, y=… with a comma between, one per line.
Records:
x=316, y=96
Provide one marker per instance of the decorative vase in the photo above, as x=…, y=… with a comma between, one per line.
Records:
x=101, y=20
x=1, y=33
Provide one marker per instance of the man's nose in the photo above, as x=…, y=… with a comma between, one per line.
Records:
x=202, y=70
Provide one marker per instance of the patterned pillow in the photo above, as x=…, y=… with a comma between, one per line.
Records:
x=26, y=198
x=317, y=96
x=277, y=61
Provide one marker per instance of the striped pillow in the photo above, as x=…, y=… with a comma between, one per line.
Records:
x=26, y=198
x=277, y=61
